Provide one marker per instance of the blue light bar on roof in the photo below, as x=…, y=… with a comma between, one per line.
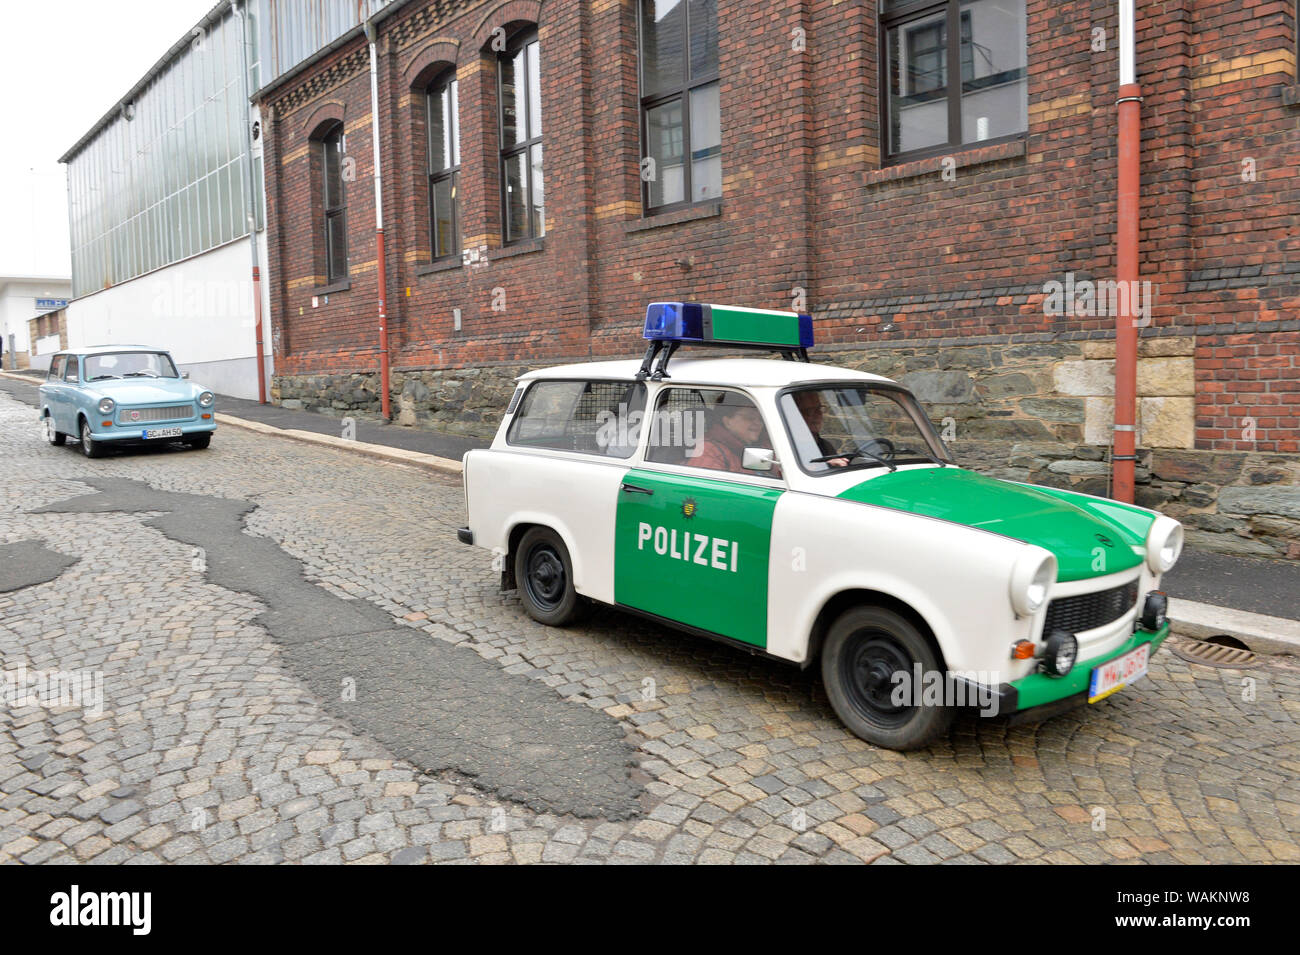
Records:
x=726, y=325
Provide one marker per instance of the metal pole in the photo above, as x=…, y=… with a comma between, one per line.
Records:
x=371, y=37
x=250, y=204
x=1128, y=212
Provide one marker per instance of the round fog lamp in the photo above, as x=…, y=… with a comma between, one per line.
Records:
x=1154, y=610
x=1060, y=653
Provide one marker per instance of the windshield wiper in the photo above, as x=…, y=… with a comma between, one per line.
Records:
x=101, y=377
x=858, y=453
x=140, y=374
x=925, y=454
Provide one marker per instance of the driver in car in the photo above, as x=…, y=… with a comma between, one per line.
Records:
x=810, y=406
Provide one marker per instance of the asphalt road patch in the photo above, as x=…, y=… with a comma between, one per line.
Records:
x=440, y=706
x=30, y=562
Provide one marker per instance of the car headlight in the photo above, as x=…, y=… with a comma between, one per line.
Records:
x=1031, y=579
x=207, y=398
x=1164, y=543
x=106, y=405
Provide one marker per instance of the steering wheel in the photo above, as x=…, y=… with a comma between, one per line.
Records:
x=882, y=447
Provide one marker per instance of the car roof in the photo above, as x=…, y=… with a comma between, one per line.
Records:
x=102, y=349
x=749, y=372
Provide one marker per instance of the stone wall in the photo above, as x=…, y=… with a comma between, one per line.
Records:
x=1039, y=412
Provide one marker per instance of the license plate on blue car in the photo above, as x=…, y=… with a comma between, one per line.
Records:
x=150, y=433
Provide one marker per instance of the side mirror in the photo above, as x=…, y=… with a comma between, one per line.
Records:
x=758, y=459
x=185, y=374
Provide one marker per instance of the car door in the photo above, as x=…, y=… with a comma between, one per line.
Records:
x=52, y=389
x=692, y=540
x=70, y=397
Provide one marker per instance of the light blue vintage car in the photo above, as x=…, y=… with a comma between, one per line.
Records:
x=123, y=394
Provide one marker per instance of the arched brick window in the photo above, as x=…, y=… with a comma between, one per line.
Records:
x=333, y=211
x=443, y=149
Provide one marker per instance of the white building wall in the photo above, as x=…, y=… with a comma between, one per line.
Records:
x=18, y=306
x=200, y=309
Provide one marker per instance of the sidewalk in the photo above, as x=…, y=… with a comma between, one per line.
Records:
x=1257, y=601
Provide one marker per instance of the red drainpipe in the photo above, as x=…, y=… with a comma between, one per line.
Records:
x=1128, y=213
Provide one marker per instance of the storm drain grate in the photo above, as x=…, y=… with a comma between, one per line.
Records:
x=1214, y=654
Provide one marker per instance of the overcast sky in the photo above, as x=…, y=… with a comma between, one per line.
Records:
x=63, y=64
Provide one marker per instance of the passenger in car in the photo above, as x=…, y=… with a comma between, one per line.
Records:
x=737, y=425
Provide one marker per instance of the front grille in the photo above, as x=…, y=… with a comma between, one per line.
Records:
x=1088, y=611
x=130, y=416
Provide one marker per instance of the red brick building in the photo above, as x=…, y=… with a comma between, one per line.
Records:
x=549, y=166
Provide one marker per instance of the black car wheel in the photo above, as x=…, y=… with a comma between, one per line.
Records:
x=864, y=649
x=545, y=577
x=199, y=441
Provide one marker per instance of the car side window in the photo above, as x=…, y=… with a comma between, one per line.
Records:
x=589, y=417
x=706, y=428
x=71, y=373
x=56, y=368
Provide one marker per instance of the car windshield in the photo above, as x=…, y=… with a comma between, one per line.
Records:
x=834, y=427
x=129, y=364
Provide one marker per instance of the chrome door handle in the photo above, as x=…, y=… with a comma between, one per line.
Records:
x=634, y=489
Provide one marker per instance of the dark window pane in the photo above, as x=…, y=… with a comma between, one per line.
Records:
x=333, y=163
x=704, y=38
x=336, y=246
x=516, y=186
x=513, y=99
x=663, y=34
x=918, y=104
x=442, y=199
x=706, y=143
x=994, y=90
x=538, y=193
x=664, y=146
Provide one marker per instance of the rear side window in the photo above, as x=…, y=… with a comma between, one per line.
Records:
x=56, y=368
x=587, y=417
x=71, y=373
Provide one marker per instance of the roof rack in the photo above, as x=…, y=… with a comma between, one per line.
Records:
x=669, y=325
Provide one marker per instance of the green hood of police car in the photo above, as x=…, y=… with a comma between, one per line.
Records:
x=1089, y=536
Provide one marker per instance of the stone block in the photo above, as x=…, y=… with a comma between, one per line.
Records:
x=1167, y=422
x=1098, y=420
x=1166, y=376
x=1094, y=377
x=1282, y=501
x=940, y=387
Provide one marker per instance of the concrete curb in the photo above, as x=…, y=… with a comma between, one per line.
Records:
x=396, y=455
x=1261, y=633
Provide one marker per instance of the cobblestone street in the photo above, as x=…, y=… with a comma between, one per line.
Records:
x=342, y=681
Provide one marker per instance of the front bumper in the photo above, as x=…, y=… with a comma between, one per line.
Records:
x=136, y=433
x=1062, y=692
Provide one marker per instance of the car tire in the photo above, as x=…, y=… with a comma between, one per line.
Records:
x=89, y=447
x=199, y=441
x=544, y=574
x=864, y=647
x=52, y=434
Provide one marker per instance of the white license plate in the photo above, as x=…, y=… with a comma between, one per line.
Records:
x=149, y=433
x=1119, y=673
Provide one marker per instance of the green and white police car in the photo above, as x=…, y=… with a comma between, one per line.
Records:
x=812, y=514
